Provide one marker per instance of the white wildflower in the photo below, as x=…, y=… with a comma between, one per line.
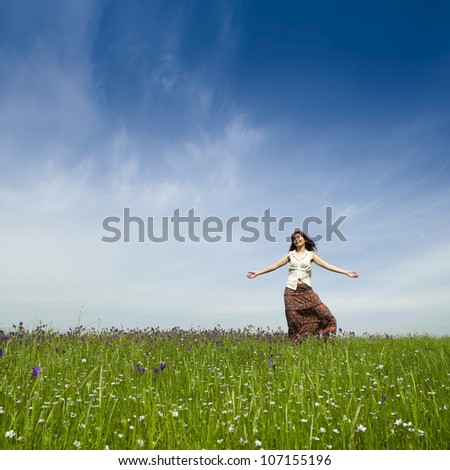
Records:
x=77, y=444
x=141, y=442
x=174, y=414
x=258, y=443
x=10, y=434
x=322, y=430
x=361, y=428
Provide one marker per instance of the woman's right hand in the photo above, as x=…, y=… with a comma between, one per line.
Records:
x=251, y=274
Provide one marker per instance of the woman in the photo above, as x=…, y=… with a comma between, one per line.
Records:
x=305, y=313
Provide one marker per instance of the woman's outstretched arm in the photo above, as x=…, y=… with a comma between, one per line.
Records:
x=320, y=262
x=272, y=267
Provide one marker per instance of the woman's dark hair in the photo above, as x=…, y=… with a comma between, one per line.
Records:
x=309, y=244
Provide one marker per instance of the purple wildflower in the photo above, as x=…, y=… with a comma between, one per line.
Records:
x=155, y=370
x=271, y=364
x=139, y=369
x=1, y=352
x=163, y=365
x=35, y=371
x=383, y=399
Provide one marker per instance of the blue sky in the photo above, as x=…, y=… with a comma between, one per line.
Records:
x=229, y=108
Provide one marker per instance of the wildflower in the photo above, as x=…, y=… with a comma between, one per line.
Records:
x=141, y=442
x=1, y=410
x=380, y=366
x=73, y=415
x=382, y=400
x=361, y=428
x=174, y=414
x=420, y=432
x=83, y=361
x=155, y=370
x=258, y=443
x=77, y=444
x=139, y=369
x=82, y=426
x=231, y=428
x=219, y=441
x=322, y=430
x=336, y=431
x=35, y=371
x=141, y=418
x=163, y=365
x=10, y=434
x=1, y=352
x=107, y=447
x=398, y=422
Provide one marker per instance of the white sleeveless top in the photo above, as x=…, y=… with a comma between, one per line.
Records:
x=299, y=268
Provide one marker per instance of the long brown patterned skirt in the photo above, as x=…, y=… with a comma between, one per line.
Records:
x=306, y=314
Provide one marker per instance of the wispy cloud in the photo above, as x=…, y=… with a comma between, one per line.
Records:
x=101, y=113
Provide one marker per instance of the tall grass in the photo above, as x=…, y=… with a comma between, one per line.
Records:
x=221, y=389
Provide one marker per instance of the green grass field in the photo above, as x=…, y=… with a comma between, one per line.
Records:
x=221, y=389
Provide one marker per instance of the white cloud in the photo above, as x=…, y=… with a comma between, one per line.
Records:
x=68, y=164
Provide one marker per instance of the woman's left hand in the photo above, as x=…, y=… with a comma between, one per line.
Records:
x=352, y=274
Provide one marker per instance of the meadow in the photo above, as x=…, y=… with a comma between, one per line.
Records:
x=221, y=389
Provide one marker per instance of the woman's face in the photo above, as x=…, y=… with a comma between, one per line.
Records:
x=299, y=241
